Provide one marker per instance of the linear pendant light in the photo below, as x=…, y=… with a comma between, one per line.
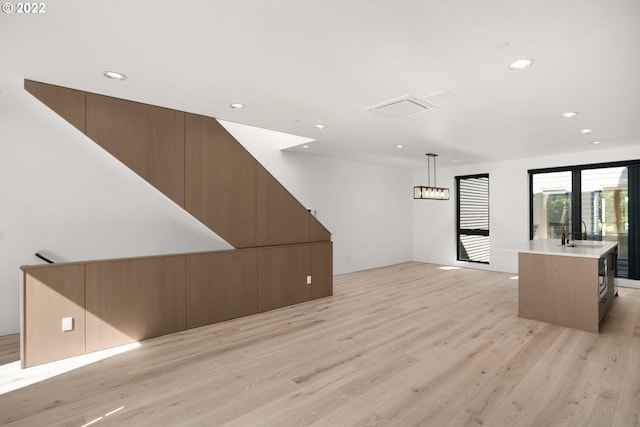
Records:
x=429, y=192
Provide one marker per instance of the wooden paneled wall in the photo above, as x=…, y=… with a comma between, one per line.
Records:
x=134, y=299
x=70, y=104
x=47, y=296
x=220, y=181
x=115, y=302
x=281, y=219
x=119, y=126
x=194, y=161
x=221, y=286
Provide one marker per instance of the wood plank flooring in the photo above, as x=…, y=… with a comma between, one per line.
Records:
x=404, y=345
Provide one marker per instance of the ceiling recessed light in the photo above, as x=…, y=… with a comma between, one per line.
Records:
x=114, y=75
x=305, y=147
x=596, y=142
x=455, y=161
x=399, y=146
x=236, y=106
x=521, y=64
x=570, y=114
x=586, y=131
x=320, y=126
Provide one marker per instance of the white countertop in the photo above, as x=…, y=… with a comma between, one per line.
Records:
x=583, y=248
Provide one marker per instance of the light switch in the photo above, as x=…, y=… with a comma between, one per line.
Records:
x=308, y=280
x=67, y=324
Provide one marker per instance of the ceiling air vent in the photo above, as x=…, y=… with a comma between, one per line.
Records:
x=401, y=107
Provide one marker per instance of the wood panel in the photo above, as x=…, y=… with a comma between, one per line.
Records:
x=50, y=294
x=148, y=139
x=562, y=290
x=282, y=276
x=67, y=103
x=317, y=231
x=281, y=219
x=321, y=270
x=135, y=299
x=221, y=286
x=220, y=181
x=212, y=176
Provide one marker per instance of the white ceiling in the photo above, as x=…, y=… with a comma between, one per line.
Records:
x=297, y=63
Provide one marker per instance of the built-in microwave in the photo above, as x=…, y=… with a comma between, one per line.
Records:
x=603, y=277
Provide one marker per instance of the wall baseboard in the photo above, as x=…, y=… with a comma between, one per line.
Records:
x=628, y=283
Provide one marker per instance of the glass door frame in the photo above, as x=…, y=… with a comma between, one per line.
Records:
x=576, y=204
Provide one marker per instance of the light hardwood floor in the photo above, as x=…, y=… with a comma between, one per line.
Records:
x=402, y=345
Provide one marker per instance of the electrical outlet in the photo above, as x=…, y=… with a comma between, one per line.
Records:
x=308, y=280
x=67, y=324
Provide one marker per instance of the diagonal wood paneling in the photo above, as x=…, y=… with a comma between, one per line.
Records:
x=281, y=219
x=194, y=161
x=67, y=103
x=148, y=139
x=317, y=231
x=220, y=178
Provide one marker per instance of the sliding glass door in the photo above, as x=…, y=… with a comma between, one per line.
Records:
x=596, y=202
x=605, y=209
x=551, y=203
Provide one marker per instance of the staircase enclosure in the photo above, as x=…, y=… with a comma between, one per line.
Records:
x=193, y=160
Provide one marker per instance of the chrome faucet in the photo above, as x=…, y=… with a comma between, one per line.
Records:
x=565, y=239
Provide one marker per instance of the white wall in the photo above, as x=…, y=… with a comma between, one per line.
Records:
x=434, y=221
x=62, y=194
x=367, y=208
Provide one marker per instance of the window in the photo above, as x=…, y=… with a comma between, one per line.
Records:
x=551, y=203
x=601, y=200
x=472, y=195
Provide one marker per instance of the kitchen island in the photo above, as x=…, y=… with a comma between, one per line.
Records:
x=570, y=285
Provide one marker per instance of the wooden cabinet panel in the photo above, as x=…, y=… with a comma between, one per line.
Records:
x=221, y=286
x=282, y=276
x=135, y=299
x=562, y=290
x=67, y=103
x=220, y=181
x=321, y=270
x=281, y=219
x=148, y=139
x=317, y=231
x=49, y=294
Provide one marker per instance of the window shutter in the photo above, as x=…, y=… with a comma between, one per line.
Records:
x=473, y=218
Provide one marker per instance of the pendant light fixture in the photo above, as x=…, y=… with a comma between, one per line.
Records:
x=431, y=192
